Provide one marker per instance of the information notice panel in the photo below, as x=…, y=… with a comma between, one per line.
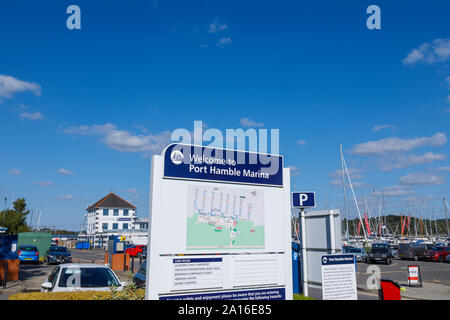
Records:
x=339, y=277
x=216, y=237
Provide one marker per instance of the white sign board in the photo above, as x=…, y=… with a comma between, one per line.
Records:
x=217, y=240
x=339, y=277
x=413, y=275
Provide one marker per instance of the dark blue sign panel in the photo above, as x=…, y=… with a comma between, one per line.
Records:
x=265, y=294
x=338, y=259
x=303, y=199
x=190, y=162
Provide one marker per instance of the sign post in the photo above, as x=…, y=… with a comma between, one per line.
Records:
x=304, y=200
x=220, y=226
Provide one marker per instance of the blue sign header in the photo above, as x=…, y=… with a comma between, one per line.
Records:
x=191, y=162
x=338, y=259
x=303, y=199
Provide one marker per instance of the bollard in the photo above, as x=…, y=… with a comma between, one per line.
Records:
x=132, y=264
x=124, y=262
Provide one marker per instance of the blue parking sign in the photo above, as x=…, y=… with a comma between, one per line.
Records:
x=303, y=199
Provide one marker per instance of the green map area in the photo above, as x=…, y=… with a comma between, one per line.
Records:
x=214, y=235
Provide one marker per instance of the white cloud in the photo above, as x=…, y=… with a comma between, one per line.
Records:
x=394, y=191
x=421, y=179
x=448, y=81
x=401, y=161
x=67, y=197
x=31, y=116
x=394, y=144
x=428, y=53
x=448, y=99
x=383, y=126
x=15, y=172
x=447, y=111
x=301, y=142
x=65, y=171
x=246, y=122
x=217, y=26
x=122, y=140
x=10, y=85
x=355, y=174
x=443, y=169
x=43, y=183
x=224, y=41
x=294, y=171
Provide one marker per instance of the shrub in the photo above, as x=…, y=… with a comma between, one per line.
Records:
x=129, y=292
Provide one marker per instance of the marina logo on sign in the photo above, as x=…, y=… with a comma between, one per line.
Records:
x=177, y=157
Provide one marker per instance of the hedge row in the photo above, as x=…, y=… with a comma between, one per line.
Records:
x=137, y=294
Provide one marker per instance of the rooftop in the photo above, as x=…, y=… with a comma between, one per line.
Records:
x=111, y=201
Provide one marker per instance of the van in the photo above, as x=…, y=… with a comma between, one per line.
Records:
x=414, y=251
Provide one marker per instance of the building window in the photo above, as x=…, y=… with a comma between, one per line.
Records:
x=125, y=226
x=115, y=226
x=105, y=212
x=105, y=226
x=116, y=212
x=125, y=212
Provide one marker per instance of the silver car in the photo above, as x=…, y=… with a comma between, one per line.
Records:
x=359, y=253
x=81, y=277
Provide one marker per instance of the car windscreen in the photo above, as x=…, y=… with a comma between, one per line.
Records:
x=28, y=248
x=354, y=251
x=87, y=278
x=379, y=248
x=58, y=249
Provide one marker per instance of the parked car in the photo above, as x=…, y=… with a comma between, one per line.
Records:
x=58, y=254
x=414, y=251
x=437, y=254
x=81, y=277
x=380, y=253
x=346, y=249
x=28, y=253
x=359, y=253
x=140, y=276
x=136, y=251
x=447, y=259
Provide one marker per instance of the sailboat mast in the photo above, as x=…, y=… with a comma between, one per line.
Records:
x=343, y=186
x=446, y=218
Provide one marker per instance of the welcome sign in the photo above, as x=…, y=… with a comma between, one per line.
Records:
x=191, y=162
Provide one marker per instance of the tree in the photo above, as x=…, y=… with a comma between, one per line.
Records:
x=15, y=219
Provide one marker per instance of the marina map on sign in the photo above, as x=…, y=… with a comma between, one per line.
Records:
x=225, y=218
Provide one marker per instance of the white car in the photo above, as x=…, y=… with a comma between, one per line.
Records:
x=81, y=277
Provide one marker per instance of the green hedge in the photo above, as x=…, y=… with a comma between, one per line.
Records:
x=129, y=292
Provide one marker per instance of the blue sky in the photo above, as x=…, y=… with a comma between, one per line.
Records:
x=81, y=111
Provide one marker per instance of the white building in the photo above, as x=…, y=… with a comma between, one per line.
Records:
x=111, y=215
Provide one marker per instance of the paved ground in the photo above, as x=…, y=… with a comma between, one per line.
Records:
x=435, y=277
